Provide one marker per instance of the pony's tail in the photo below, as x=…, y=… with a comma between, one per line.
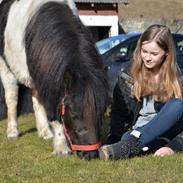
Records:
x=24, y=101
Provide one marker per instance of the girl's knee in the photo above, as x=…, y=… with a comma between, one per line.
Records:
x=126, y=135
x=176, y=104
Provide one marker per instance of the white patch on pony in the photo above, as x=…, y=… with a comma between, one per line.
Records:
x=41, y=120
x=59, y=142
x=11, y=96
x=14, y=44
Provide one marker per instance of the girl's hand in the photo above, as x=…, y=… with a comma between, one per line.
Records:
x=164, y=151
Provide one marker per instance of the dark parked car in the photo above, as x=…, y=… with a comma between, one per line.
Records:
x=108, y=43
x=117, y=57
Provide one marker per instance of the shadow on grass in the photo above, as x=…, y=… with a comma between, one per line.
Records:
x=32, y=130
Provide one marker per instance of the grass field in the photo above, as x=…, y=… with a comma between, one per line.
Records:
x=29, y=159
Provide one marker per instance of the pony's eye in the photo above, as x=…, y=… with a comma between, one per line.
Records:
x=71, y=113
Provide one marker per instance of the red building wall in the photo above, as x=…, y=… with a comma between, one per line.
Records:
x=97, y=9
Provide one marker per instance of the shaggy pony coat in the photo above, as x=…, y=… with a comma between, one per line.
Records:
x=45, y=47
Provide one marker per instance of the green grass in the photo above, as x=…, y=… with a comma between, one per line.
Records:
x=29, y=159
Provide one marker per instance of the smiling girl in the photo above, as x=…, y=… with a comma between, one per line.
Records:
x=147, y=110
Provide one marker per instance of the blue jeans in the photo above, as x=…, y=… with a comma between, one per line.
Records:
x=167, y=124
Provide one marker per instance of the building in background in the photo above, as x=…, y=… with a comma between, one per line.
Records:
x=101, y=16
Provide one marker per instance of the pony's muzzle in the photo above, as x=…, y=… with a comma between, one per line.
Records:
x=88, y=155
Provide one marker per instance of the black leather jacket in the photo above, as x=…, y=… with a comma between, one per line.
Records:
x=125, y=111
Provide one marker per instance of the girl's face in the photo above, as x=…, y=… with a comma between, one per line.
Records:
x=152, y=55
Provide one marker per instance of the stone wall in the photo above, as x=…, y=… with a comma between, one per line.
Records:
x=139, y=25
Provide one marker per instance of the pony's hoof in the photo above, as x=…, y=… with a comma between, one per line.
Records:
x=46, y=134
x=61, y=153
x=13, y=134
x=49, y=136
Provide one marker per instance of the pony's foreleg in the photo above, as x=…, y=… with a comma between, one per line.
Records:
x=11, y=97
x=59, y=142
x=41, y=120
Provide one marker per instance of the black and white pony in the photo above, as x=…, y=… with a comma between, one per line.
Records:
x=44, y=46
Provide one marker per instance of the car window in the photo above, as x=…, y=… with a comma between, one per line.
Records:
x=179, y=47
x=103, y=45
x=132, y=49
x=121, y=51
x=178, y=44
x=126, y=50
x=108, y=43
x=179, y=50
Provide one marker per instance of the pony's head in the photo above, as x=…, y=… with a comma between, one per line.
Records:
x=82, y=111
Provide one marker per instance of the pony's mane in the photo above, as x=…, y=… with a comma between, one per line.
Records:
x=61, y=56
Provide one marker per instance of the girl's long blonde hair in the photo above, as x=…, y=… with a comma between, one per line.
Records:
x=169, y=84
